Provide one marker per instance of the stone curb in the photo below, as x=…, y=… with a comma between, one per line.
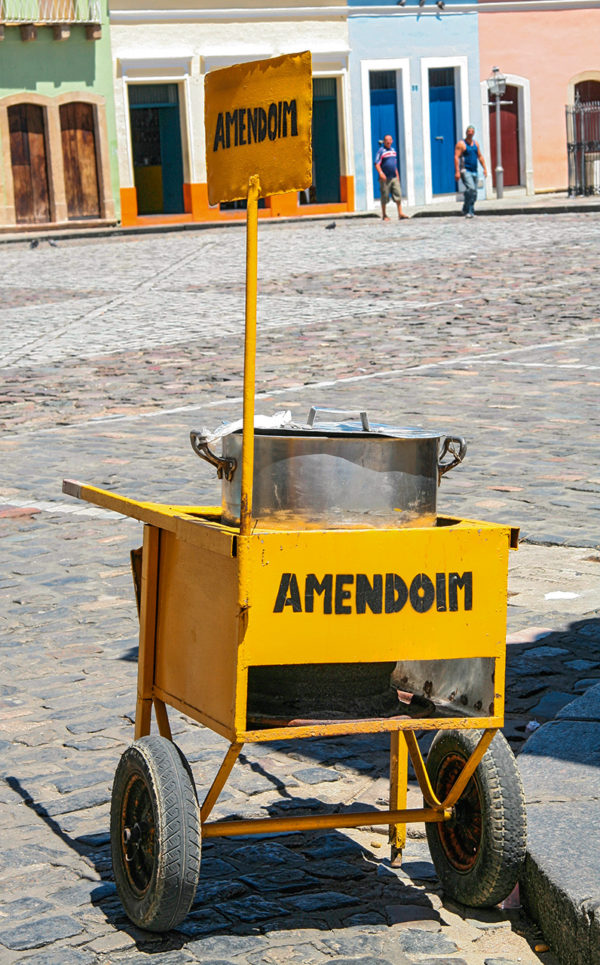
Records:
x=495, y=209
x=560, y=767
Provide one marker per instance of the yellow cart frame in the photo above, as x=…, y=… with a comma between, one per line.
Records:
x=208, y=613
x=216, y=602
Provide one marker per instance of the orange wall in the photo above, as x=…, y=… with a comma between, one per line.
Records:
x=549, y=49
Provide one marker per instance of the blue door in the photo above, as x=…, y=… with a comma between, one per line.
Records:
x=442, y=129
x=384, y=114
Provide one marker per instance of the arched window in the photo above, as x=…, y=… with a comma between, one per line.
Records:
x=587, y=91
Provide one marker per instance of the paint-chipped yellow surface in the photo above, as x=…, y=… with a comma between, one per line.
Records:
x=258, y=119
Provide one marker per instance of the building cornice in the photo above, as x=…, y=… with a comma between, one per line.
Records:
x=242, y=14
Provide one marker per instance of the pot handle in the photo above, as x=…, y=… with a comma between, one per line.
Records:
x=225, y=466
x=344, y=413
x=457, y=447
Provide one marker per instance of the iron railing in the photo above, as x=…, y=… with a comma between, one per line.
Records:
x=50, y=11
x=583, y=147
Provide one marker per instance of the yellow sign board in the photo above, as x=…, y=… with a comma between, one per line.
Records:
x=258, y=119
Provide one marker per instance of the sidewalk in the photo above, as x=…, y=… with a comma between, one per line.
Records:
x=560, y=767
x=510, y=205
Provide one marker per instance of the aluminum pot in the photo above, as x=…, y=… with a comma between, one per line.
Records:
x=343, y=474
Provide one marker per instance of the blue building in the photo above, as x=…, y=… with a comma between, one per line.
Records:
x=415, y=75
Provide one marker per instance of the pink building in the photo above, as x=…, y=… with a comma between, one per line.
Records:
x=549, y=52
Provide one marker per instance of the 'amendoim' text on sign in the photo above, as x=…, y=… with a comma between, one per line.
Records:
x=258, y=119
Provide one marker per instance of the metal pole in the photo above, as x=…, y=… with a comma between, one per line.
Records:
x=499, y=168
x=249, y=356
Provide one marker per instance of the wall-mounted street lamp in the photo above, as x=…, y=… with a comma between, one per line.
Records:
x=496, y=88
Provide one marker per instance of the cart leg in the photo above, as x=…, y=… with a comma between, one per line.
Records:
x=398, y=789
x=162, y=719
x=143, y=711
x=219, y=782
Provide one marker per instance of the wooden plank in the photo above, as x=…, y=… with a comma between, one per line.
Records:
x=29, y=168
x=79, y=153
x=150, y=559
x=197, y=628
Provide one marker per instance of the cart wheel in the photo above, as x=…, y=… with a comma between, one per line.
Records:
x=155, y=834
x=478, y=854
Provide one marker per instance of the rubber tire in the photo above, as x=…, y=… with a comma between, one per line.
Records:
x=157, y=770
x=498, y=858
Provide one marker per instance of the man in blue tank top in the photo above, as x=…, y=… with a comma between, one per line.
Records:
x=466, y=156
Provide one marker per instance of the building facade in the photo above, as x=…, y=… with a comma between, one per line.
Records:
x=161, y=56
x=550, y=57
x=414, y=75
x=58, y=154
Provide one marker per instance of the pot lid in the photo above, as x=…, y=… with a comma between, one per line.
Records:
x=320, y=422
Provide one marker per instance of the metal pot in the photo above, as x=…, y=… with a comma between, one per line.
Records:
x=336, y=475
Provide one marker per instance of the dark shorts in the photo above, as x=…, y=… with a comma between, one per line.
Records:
x=390, y=187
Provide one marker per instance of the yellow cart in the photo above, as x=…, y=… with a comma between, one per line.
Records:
x=219, y=608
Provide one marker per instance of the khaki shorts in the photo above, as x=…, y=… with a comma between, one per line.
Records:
x=391, y=186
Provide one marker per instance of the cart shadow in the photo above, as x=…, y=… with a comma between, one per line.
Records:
x=256, y=885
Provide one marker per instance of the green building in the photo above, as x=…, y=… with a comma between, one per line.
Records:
x=58, y=147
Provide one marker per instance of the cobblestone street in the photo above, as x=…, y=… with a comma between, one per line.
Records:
x=111, y=352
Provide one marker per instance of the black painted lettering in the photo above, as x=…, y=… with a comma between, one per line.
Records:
x=279, y=112
x=342, y=594
x=219, y=133
x=288, y=594
x=396, y=593
x=290, y=110
x=242, y=124
x=456, y=583
x=272, y=121
x=422, y=593
x=230, y=121
x=313, y=586
x=252, y=125
x=262, y=123
x=440, y=592
x=369, y=594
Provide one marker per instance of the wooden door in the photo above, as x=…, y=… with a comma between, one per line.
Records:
x=325, y=142
x=28, y=159
x=509, y=132
x=79, y=157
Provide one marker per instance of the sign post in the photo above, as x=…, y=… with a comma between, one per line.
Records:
x=258, y=119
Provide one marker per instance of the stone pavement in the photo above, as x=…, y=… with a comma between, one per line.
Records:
x=111, y=351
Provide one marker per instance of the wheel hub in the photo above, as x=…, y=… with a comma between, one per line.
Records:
x=138, y=835
x=460, y=836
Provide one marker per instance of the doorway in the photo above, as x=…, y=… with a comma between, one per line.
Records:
x=384, y=115
x=325, y=188
x=156, y=148
x=77, y=130
x=29, y=167
x=510, y=134
x=442, y=128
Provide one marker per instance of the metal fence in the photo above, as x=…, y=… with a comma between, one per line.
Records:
x=583, y=147
x=50, y=11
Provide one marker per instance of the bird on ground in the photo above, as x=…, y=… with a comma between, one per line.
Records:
x=329, y=226
x=52, y=243
x=34, y=243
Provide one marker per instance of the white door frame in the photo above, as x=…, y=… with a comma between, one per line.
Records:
x=525, y=138
x=405, y=135
x=461, y=86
